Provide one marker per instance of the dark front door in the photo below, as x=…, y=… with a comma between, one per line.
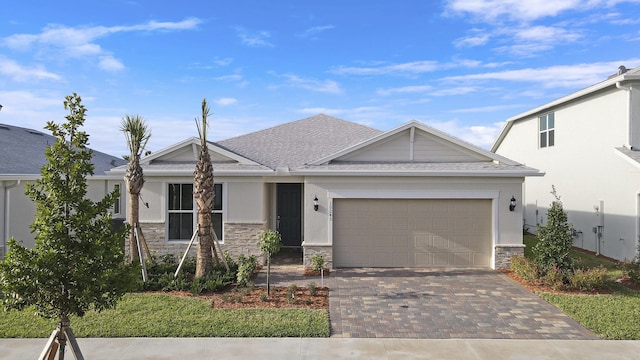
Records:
x=289, y=213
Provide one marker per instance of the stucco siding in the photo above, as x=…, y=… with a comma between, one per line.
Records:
x=585, y=170
x=244, y=202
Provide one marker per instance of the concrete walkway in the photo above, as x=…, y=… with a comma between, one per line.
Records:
x=333, y=348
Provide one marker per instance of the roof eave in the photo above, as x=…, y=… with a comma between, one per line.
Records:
x=406, y=173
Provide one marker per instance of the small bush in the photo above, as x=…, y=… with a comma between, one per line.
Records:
x=554, y=278
x=264, y=297
x=524, y=268
x=591, y=279
x=291, y=292
x=317, y=262
x=313, y=290
x=247, y=266
x=630, y=270
x=554, y=240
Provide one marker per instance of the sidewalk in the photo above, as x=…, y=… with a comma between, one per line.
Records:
x=328, y=348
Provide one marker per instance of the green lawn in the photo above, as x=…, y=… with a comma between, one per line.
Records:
x=611, y=316
x=163, y=315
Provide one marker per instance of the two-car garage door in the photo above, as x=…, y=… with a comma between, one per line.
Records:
x=412, y=232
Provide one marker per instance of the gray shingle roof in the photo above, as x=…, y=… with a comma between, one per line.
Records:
x=22, y=152
x=299, y=142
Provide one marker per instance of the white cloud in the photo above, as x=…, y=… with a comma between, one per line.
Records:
x=414, y=67
x=547, y=34
x=491, y=10
x=226, y=101
x=405, y=90
x=21, y=73
x=254, y=39
x=61, y=41
x=326, y=86
x=110, y=63
x=569, y=76
x=479, y=135
x=313, y=31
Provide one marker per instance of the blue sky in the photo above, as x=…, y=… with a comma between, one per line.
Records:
x=461, y=66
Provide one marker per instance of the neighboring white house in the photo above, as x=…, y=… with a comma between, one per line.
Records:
x=408, y=197
x=22, y=155
x=587, y=143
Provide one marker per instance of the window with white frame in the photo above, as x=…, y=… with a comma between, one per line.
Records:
x=547, y=130
x=216, y=214
x=180, y=211
x=116, y=204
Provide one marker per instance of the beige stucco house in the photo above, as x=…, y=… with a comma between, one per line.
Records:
x=587, y=143
x=408, y=197
x=22, y=155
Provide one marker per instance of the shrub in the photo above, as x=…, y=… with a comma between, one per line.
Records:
x=555, y=240
x=317, y=262
x=247, y=266
x=291, y=292
x=313, y=290
x=630, y=270
x=553, y=277
x=524, y=268
x=590, y=279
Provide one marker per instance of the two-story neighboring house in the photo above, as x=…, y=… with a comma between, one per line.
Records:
x=588, y=145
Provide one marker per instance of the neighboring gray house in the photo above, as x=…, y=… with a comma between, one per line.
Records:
x=408, y=197
x=588, y=145
x=22, y=155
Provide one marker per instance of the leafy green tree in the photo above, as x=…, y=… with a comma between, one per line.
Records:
x=555, y=240
x=270, y=243
x=78, y=262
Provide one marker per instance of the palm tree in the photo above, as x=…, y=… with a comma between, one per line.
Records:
x=204, y=194
x=137, y=133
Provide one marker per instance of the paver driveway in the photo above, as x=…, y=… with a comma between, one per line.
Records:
x=440, y=304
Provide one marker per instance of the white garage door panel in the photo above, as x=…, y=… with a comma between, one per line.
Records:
x=412, y=233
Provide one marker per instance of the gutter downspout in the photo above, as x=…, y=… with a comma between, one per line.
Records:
x=629, y=91
x=5, y=232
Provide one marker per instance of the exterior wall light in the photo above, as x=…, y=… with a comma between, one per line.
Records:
x=315, y=204
x=512, y=203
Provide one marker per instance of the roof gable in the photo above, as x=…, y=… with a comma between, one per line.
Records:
x=188, y=150
x=413, y=142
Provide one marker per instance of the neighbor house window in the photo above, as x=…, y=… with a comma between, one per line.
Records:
x=547, y=130
x=180, y=209
x=116, y=204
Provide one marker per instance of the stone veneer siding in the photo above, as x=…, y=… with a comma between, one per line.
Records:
x=242, y=238
x=310, y=250
x=239, y=238
x=504, y=254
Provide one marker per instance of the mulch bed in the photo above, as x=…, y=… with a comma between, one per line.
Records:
x=257, y=298
x=543, y=288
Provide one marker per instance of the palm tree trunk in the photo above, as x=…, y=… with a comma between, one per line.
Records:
x=204, y=263
x=133, y=221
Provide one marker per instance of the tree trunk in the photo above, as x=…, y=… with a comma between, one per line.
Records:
x=133, y=216
x=204, y=264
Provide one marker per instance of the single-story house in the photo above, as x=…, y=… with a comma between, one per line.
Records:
x=22, y=155
x=588, y=145
x=408, y=197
